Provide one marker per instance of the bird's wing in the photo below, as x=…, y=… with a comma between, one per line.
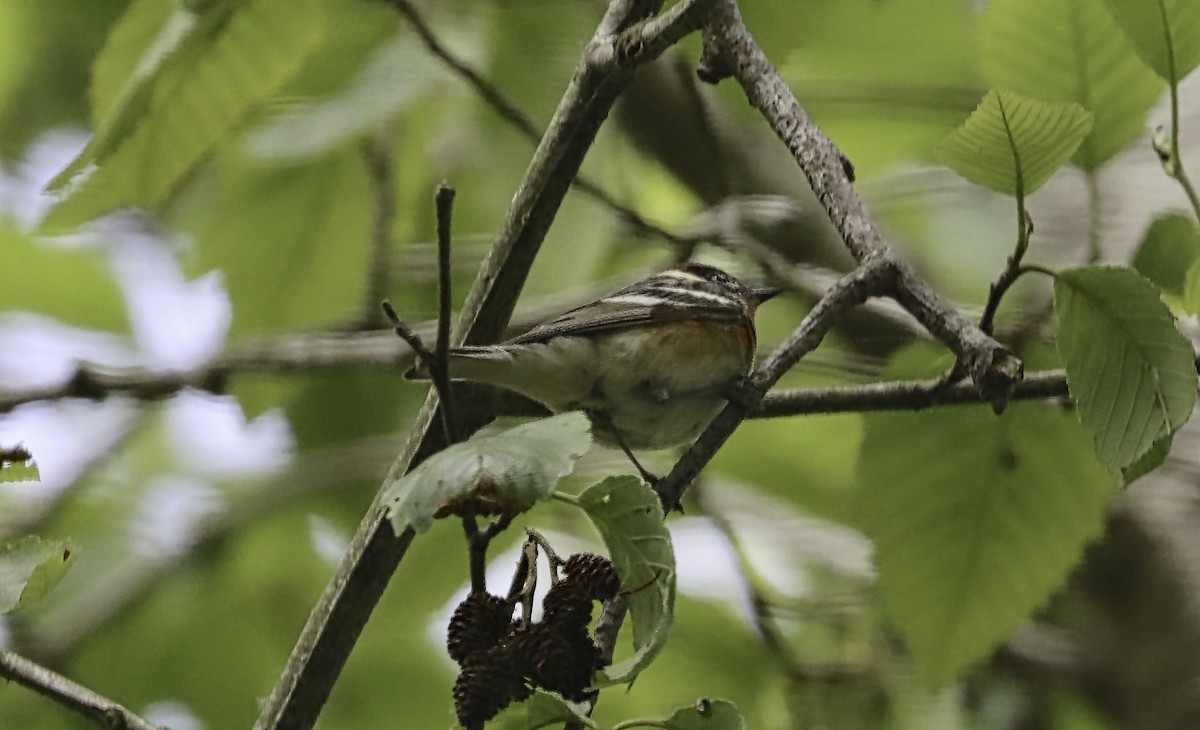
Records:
x=621, y=311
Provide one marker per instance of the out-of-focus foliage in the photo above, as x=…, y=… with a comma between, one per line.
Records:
x=250, y=133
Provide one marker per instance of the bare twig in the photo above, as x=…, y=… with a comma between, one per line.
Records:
x=439, y=367
x=76, y=697
x=378, y=152
x=902, y=395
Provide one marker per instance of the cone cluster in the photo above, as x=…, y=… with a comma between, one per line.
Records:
x=503, y=660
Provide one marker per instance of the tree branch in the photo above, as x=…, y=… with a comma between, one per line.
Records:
x=69, y=694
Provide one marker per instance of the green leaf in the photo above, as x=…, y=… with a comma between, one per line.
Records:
x=706, y=715
x=629, y=517
x=1191, y=288
x=1149, y=461
x=541, y=710
x=29, y=568
x=1165, y=33
x=1168, y=249
x=522, y=464
x=398, y=74
x=976, y=520
x=201, y=99
x=74, y=286
x=1129, y=370
x=1071, y=51
x=1013, y=144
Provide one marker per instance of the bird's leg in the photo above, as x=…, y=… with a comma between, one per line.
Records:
x=601, y=419
x=649, y=478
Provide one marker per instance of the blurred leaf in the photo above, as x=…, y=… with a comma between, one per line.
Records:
x=890, y=105
x=73, y=286
x=291, y=242
x=398, y=74
x=1148, y=462
x=1013, y=144
x=1165, y=33
x=706, y=715
x=1129, y=370
x=629, y=517
x=17, y=465
x=541, y=710
x=1191, y=286
x=521, y=465
x=971, y=539
x=1070, y=51
x=1169, y=247
x=151, y=39
x=248, y=56
x=29, y=568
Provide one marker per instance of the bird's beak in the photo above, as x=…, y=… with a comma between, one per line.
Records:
x=763, y=294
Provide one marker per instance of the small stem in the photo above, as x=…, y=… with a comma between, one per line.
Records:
x=566, y=498
x=440, y=367
x=1094, y=212
x=1035, y=268
x=477, y=554
x=627, y=724
x=551, y=556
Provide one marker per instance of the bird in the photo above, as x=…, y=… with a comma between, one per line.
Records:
x=650, y=365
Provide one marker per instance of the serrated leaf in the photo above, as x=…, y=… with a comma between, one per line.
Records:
x=976, y=520
x=629, y=517
x=29, y=568
x=249, y=56
x=1148, y=462
x=1165, y=33
x=706, y=715
x=1071, y=51
x=396, y=75
x=1168, y=249
x=1012, y=143
x=541, y=710
x=522, y=465
x=1129, y=370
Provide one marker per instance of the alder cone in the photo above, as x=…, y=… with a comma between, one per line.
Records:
x=595, y=573
x=489, y=682
x=478, y=624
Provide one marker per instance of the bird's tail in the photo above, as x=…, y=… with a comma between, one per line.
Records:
x=478, y=364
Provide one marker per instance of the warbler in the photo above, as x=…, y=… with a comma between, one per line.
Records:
x=651, y=365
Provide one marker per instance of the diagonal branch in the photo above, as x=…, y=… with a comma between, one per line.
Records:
x=69, y=694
